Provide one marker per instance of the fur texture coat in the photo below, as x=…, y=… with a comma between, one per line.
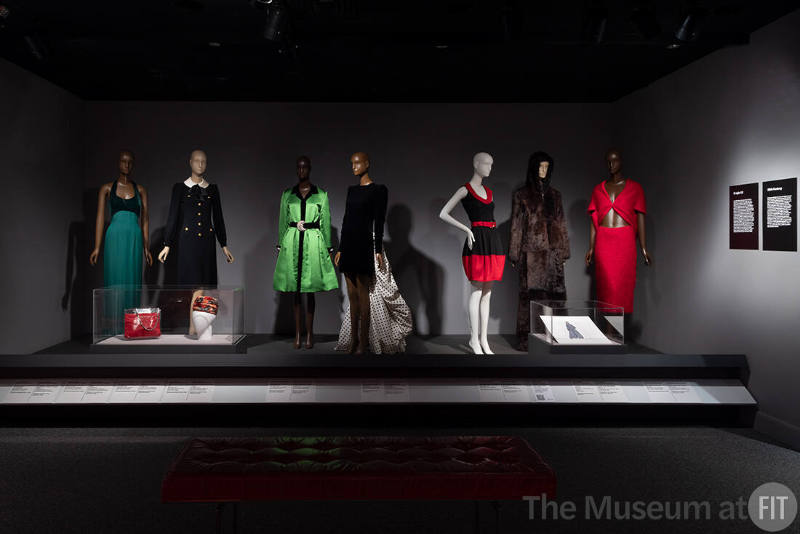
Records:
x=539, y=241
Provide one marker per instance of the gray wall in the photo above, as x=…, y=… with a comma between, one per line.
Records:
x=731, y=118
x=42, y=178
x=423, y=153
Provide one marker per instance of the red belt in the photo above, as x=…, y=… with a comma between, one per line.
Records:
x=488, y=224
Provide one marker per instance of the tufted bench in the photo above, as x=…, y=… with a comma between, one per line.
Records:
x=357, y=468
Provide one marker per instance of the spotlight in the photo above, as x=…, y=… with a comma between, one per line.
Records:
x=275, y=27
x=36, y=47
x=687, y=31
x=594, y=29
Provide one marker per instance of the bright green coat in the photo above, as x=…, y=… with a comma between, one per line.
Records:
x=316, y=268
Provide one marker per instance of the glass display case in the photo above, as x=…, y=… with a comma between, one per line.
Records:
x=167, y=319
x=576, y=326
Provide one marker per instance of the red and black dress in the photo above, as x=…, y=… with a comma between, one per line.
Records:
x=484, y=262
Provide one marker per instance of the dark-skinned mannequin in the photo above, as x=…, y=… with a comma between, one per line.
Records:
x=304, y=187
x=627, y=211
x=125, y=190
x=358, y=282
x=127, y=236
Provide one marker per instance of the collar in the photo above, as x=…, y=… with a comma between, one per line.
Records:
x=312, y=191
x=190, y=183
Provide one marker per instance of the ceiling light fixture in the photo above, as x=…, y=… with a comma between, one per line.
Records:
x=277, y=17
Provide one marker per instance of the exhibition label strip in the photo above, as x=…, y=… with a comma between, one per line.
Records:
x=330, y=391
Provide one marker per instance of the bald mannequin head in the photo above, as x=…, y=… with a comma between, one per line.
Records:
x=482, y=163
x=360, y=163
x=614, y=161
x=197, y=161
x=126, y=160
x=303, y=168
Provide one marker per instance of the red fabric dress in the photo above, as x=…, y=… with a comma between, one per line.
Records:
x=483, y=262
x=615, y=248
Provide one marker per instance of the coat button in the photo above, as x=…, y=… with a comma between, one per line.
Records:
x=185, y=228
x=199, y=203
x=199, y=224
x=199, y=214
x=199, y=234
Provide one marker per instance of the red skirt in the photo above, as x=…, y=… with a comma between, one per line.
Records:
x=484, y=262
x=615, y=265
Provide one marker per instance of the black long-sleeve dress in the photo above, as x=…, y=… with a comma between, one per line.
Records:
x=195, y=217
x=365, y=213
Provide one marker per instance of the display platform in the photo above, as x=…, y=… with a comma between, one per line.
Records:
x=173, y=343
x=272, y=379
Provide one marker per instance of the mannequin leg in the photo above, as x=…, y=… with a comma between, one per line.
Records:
x=523, y=320
x=363, y=306
x=352, y=297
x=296, y=309
x=486, y=297
x=311, y=306
x=474, y=318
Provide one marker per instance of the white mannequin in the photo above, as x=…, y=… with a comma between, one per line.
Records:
x=481, y=292
x=202, y=324
x=198, y=164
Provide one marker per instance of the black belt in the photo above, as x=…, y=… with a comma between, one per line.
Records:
x=314, y=224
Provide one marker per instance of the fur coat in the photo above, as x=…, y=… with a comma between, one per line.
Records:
x=539, y=241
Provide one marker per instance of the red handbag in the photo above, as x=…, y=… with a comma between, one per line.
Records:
x=142, y=323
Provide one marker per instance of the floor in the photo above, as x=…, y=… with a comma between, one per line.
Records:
x=81, y=480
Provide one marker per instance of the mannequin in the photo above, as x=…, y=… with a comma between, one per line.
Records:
x=371, y=290
x=128, y=234
x=482, y=256
x=539, y=245
x=304, y=263
x=617, y=209
x=195, y=216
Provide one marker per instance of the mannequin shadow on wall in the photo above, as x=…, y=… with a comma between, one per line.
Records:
x=579, y=219
x=507, y=291
x=159, y=273
x=80, y=277
x=173, y=307
x=646, y=293
x=419, y=278
x=284, y=302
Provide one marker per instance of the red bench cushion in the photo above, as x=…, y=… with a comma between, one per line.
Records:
x=357, y=468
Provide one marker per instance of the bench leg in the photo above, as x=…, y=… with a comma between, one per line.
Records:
x=220, y=509
x=497, y=505
x=220, y=515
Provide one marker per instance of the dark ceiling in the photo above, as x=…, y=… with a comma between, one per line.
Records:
x=369, y=50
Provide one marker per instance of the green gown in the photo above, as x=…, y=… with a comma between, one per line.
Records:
x=304, y=262
x=122, y=255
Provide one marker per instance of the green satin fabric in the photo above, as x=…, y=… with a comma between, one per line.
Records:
x=317, y=272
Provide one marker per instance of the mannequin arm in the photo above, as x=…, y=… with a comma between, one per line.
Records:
x=517, y=229
x=642, y=231
x=283, y=222
x=325, y=222
x=592, y=236
x=145, y=223
x=446, y=217
x=100, y=222
x=561, y=225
